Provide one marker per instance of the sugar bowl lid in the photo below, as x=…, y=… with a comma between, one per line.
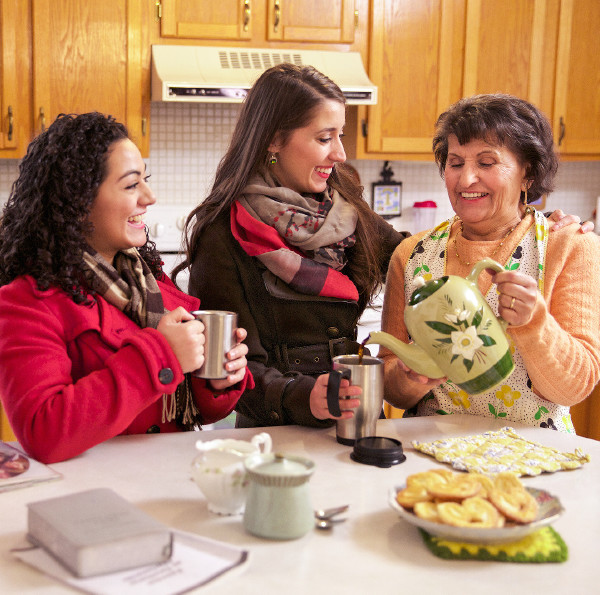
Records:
x=279, y=469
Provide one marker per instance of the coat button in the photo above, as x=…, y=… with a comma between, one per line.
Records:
x=166, y=376
x=274, y=416
x=153, y=430
x=333, y=332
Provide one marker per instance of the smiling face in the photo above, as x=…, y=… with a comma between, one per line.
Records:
x=121, y=202
x=484, y=183
x=305, y=160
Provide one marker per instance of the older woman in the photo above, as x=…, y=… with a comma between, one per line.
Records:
x=92, y=335
x=496, y=154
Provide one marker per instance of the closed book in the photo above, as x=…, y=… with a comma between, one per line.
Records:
x=97, y=532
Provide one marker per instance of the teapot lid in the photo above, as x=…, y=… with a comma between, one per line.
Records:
x=278, y=469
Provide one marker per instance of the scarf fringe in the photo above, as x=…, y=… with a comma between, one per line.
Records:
x=181, y=408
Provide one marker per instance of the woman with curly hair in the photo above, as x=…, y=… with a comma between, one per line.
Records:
x=92, y=335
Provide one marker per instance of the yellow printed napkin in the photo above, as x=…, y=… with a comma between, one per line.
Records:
x=500, y=451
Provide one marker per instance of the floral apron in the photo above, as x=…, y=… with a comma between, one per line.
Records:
x=514, y=399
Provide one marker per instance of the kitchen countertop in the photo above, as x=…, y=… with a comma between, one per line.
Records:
x=374, y=551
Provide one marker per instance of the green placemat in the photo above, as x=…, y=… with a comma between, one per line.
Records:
x=543, y=545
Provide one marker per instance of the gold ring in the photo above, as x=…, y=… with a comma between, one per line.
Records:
x=512, y=303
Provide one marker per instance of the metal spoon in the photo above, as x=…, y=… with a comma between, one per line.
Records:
x=329, y=513
x=326, y=524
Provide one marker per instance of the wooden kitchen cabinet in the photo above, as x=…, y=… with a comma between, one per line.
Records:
x=576, y=119
x=87, y=56
x=511, y=48
x=416, y=61
x=426, y=54
x=15, y=84
x=318, y=21
x=586, y=416
x=6, y=432
x=228, y=20
x=305, y=21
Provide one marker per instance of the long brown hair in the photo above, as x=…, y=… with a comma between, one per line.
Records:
x=282, y=100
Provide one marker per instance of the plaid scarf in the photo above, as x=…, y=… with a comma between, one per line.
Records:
x=130, y=286
x=301, y=239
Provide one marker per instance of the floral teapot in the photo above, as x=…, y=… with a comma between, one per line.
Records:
x=455, y=333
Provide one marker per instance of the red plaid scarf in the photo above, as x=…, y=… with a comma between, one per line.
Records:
x=305, y=271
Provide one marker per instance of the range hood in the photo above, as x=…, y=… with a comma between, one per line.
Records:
x=224, y=74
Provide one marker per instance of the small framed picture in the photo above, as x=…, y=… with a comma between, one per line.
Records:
x=387, y=199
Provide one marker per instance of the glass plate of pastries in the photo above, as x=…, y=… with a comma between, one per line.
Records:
x=472, y=507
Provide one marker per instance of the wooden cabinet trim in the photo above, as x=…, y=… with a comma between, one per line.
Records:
x=8, y=74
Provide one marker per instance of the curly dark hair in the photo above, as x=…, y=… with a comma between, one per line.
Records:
x=283, y=99
x=509, y=121
x=45, y=222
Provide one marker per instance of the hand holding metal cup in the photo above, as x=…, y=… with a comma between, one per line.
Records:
x=220, y=332
x=368, y=374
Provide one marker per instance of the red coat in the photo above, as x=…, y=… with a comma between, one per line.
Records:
x=72, y=376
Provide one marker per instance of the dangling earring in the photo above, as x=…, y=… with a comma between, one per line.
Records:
x=273, y=159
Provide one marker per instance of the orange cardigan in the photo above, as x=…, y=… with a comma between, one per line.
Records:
x=561, y=343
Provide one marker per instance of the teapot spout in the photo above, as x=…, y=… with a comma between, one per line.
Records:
x=411, y=354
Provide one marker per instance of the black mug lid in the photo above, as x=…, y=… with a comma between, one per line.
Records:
x=378, y=450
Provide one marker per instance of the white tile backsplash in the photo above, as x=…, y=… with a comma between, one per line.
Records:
x=188, y=140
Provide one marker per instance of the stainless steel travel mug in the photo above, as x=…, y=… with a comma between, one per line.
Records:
x=369, y=376
x=219, y=330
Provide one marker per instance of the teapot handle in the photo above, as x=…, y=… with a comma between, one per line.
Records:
x=487, y=263
x=264, y=439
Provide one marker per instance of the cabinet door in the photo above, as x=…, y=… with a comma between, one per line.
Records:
x=15, y=121
x=207, y=19
x=516, y=57
x=6, y=432
x=416, y=63
x=319, y=21
x=87, y=57
x=577, y=104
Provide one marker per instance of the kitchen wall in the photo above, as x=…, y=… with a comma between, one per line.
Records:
x=188, y=140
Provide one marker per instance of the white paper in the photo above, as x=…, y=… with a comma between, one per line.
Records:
x=195, y=561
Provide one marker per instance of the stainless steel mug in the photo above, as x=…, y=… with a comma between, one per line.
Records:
x=219, y=330
x=369, y=376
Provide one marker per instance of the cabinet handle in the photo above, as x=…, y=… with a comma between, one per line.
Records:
x=355, y=19
x=144, y=126
x=277, y=10
x=364, y=128
x=247, y=13
x=10, y=122
x=561, y=131
x=42, y=119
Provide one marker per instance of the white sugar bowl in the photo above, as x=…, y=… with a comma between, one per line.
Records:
x=219, y=471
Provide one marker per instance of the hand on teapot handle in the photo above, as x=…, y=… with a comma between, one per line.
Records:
x=518, y=296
